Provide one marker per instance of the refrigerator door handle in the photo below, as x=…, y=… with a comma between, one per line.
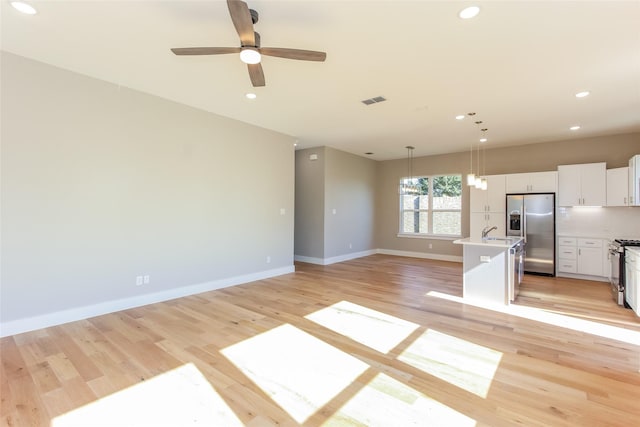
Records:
x=524, y=222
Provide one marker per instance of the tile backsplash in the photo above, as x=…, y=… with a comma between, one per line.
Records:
x=610, y=222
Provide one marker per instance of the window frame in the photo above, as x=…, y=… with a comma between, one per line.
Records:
x=429, y=210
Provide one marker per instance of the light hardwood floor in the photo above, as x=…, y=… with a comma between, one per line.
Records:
x=379, y=340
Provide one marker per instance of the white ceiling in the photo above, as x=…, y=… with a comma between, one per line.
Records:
x=518, y=65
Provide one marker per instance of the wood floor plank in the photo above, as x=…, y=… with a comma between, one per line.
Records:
x=547, y=371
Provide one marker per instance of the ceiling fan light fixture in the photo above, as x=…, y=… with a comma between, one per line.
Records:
x=250, y=95
x=24, y=7
x=469, y=12
x=250, y=56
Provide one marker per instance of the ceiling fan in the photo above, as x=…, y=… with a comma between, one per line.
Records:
x=250, y=50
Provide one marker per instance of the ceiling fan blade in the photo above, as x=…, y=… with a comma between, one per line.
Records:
x=241, y=18
x=204, y=50
x=256, y=74
x=304, y=55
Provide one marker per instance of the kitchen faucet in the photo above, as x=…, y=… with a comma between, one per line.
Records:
x=487, y=230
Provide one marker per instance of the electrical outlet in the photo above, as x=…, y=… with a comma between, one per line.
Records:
x=430, y=245
x=147, y=279
x=139, y=280
x=283, y=211
x=350, y=246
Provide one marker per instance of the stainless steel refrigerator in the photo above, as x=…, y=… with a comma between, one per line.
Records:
x=532, y=216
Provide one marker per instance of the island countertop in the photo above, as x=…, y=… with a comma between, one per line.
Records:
x=497, y=242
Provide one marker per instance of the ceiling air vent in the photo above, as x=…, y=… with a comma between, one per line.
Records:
x=373, y=100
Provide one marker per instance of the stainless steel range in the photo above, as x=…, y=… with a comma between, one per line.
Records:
x=616, y=275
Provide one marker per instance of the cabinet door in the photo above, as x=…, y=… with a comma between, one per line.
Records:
x=593, y=184
x=543, y=182
x=634, y=181
x=631, y=276
x=569, y=185
x=618, y=187
x=478, y=199
x=477, y=221
x=590, y=261
x=517, y=183
x=499, y=219
x=496, y=194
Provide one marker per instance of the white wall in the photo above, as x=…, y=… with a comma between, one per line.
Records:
x=101, y=184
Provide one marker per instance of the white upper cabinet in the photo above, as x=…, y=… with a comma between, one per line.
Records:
x=492, y=199
x=582, y=185
x=618, y=187
x=535, y=182
x=634, y=180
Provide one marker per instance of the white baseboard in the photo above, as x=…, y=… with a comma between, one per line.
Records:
x=347, y=257
x=583, y=277
x=18, y=326
x=335, y=259
x=424, y=255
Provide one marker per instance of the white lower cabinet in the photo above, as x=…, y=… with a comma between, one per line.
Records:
x=578, y=255
x=632, y=277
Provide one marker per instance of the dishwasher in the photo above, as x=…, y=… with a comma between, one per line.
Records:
x=516, y=269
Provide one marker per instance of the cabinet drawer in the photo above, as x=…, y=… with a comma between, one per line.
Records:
x=567, y=252
x=590, y=243
x=569, y=241
x=567, y=265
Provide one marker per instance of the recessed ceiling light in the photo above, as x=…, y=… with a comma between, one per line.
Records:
x=24, y=7
x=483, y=139
x=469, y=12
x=250, y=95
x=574, y=127
x=460, y=117
x=582, y=94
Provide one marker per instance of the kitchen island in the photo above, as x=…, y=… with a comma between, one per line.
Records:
x=490, y=271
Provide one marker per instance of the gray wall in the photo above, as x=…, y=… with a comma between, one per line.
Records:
x=309, y=221
x=349, y=192
x=615, y=150
x=336, y=182
x=101, y=184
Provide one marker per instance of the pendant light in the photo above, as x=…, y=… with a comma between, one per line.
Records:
x=408, y=187
x=483, y=184
x=478, y=180
x=471, y=177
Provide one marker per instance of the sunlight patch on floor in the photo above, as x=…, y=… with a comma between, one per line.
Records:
x=554, y=319
x=459, y=362
x=180, y=397
x=386, y=402
x=298, y=371
x=372, y=328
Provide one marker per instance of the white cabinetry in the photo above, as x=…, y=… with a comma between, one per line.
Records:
x=582, y=185
x=535, y=182
x=632, y=277
x=634, y=180
x=579, y=255
x=618, y=187
x=488, y=207
x=567, y=255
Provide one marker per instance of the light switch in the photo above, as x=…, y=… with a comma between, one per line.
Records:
x=485, y=258
x=282, y=211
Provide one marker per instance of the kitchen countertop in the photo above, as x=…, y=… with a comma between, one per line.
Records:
x=477, y=241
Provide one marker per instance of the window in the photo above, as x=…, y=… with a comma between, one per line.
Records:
x=435, y=209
